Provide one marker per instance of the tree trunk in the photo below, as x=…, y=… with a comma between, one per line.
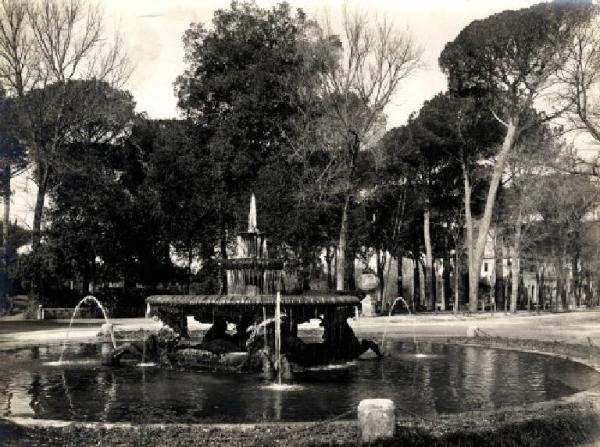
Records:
x=341, y=251
x=354, y=146
x=456, y=281
x=307, y=269
x=381, y=262
x=559, y=287
x=416, y=281
x=515, y=275
x=429, y=276
x=6, y=202
x=542, y=288
x=222, y=271
x=473, y=283
x=399, y=279
x=516, y=266
x=36, y=231
x=328, y=260
x=335, y=268
x=350, y=268
x=575, y=293
x=563, y=275
x=446, y=278
x=189, y=269
x=475, y=252
x=499, y=270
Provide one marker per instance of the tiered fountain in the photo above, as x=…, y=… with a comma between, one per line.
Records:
x=253, y=283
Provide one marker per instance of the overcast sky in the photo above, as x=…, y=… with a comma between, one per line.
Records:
x=152, y=30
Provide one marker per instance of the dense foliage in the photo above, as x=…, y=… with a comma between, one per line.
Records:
x=158, y=203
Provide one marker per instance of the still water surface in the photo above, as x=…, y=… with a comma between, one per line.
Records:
x=443, y=379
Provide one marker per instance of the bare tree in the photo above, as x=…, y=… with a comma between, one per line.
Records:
x=374, y=57
x=70, y=43
x=579, y=89
x=16, y=47
x=52, y=41
x=15, y=55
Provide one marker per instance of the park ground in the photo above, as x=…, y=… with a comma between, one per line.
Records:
x=581, y=327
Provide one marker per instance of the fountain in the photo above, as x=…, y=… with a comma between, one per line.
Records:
x=94, y=300
x=415, y=342
x=255, y=301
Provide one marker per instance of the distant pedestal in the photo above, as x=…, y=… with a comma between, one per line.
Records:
x=377, y=420
x=107, y=329
x=472, y=331
x=251, y=290
x=367, y=307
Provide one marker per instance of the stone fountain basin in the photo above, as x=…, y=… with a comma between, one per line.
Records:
x=450, y=379
x=576, y=413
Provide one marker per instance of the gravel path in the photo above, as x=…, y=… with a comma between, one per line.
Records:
x=580, y=327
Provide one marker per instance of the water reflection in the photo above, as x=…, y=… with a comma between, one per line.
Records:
x=449, y=379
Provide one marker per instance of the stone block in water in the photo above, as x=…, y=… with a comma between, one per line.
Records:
x=377, y=419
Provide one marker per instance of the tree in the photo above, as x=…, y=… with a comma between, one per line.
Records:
x=51, y=41
x=63, y=114
x=518, y=211
x=580, y=74
x=565, y=199
x=509, y=59
x=79, y=161
x=15, y=49
x=248, y=91
x=455, y=142
x=107, y=217
x=391, y=202
x=373, y=60
x=437, y=170
x=180, y=181
x=12, y=161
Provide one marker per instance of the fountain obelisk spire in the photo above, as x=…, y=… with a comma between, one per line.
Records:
x=252, y=228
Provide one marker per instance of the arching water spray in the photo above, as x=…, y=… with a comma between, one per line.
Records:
x=412, y=325
x=278, y=335
x=92, y=299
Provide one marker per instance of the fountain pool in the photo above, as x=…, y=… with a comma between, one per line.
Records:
x=451, y=379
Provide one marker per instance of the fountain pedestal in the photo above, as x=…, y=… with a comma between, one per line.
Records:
x=367, y=308
x=368, y=283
